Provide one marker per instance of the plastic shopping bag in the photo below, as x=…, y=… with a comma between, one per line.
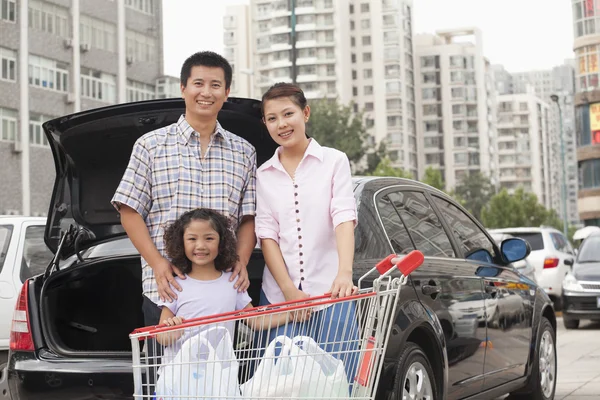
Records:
x=330, y=379
x=205, y=367
x=297, y=373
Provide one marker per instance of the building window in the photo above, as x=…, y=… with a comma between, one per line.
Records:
x=36, y=133
x=145, y=6
x=366, y=57
x=48, y=74
x=589, y=174
x=364, y=7
x=393, y=104
x=365, y=23
x=393, y=87
x=49, y=18
x=98, y=34
x=140, y=47
x=8, y=124
x=353, y=58
x=369, y=106
x=98, y=85
x=8, y=10
x=139, y=91
x=368, y=73
x=587, y=71
x=8, y=64
x=366, y=40
x=392, y=71
x=368, y=90
x=430, y=62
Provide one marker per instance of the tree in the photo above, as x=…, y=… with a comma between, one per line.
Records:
x=474, y=191
x=385, y=169
x=336, y=125
x=373, y=158
x=433, y=177
x=519, y=209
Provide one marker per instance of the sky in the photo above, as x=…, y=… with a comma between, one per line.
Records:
x=522, y=35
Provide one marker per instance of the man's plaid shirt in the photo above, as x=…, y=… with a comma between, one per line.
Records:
x=167, y=176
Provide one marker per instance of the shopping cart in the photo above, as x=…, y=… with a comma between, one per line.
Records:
x=326, y=349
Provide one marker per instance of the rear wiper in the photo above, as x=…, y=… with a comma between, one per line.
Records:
x=69, y=234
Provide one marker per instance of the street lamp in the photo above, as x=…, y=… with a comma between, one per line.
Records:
x=563, y=189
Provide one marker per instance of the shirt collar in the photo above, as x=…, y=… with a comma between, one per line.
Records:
x=186, y=130
x=314, y=149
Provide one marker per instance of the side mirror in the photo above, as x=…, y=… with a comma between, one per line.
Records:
x=514, y=249
x=569, y=262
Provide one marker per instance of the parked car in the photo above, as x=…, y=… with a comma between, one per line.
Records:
x=23, y=254
x=581, y=287
x=71, y=325
x=551, y=255
x=523, y=266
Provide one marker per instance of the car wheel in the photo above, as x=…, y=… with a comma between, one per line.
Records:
x=543, y=374
x=414, y=377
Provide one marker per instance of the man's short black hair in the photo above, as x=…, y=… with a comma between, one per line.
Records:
x=206, y=59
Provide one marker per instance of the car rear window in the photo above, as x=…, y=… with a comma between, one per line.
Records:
x=534, y=238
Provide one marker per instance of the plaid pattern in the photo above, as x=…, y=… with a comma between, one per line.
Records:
x=167, y=176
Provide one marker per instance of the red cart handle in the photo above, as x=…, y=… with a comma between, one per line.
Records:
x=407, y=264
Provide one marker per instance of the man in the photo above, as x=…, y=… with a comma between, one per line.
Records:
x=192, y=163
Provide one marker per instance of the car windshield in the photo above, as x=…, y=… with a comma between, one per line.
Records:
x=590, y=250
x=535, y=240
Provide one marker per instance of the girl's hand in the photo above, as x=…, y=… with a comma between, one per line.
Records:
x=343, y=286
x=173, y=321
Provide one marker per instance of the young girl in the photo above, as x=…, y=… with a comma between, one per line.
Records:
x=305, y=218
x=203, y=247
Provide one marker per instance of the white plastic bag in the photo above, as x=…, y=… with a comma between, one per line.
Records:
x=205, y=366
x=331, y=380
x=302, y=369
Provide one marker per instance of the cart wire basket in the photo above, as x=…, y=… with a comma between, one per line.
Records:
x=317, y=348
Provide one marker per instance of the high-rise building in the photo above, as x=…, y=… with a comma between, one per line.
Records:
x=59, y=57
x=587, y=107
x=359, y=52
x=457, y=105
x=546, y=83
x=524, y=154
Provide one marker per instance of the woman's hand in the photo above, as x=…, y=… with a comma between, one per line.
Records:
x=342, y=285
x=297, y=294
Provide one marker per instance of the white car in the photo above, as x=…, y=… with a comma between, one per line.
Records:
x=23, y=254
x=551, y=255
x=523, y=266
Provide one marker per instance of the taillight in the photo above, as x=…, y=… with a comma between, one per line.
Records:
x=550, y=263
x=20, y=331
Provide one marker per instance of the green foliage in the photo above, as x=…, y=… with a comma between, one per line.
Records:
x=520, y=209
x=474, y=191
x=433, y=177
x=336, y=125
x=385, y=168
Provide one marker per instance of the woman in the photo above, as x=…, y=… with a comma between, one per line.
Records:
x=305, y=220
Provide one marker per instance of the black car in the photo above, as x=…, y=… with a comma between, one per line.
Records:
x=449, y=337
x=581, y=287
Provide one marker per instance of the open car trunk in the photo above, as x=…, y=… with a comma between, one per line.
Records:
x=91, y=308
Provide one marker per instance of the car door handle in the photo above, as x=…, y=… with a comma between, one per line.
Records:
x=430, y=290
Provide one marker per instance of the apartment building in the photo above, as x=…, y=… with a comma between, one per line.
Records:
x=456, y=95
x=559, y=81
x=59, y=57
x=355, y=51
x=587, y=107
x=524, y=148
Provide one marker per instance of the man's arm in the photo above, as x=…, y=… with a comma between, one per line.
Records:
x=140, y=237
x=246, y=241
